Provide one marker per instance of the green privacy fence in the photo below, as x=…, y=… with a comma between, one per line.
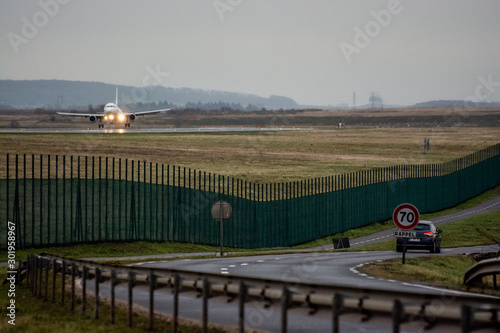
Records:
x=66, y=200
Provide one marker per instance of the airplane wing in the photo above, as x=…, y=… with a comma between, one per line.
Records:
x=141, y=113
x=86, y=115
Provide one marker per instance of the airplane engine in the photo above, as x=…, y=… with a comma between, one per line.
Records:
x=132, y=117
x=93, y=119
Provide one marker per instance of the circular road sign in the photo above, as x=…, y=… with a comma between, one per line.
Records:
x=406, y=216
x=221, y=211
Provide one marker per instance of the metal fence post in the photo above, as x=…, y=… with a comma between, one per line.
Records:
x=397, y=314
x=113, y=284
x=47, y=266
x=466, y=319
x=97, y=276
x=84, y=289
x=54, y=272
x=285, y=301
x=131, y=283
x=40, y=276
x=152, y=282
x=337, y=305
x=177, y=283
x=63, y=281
x=206, y=295
x=241, y=306
x=73, y=273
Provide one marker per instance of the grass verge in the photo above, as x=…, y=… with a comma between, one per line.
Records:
x=439, y=271
x=35, y=315
x=121, y=249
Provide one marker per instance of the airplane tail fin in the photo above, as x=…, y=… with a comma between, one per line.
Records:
x=116, y=97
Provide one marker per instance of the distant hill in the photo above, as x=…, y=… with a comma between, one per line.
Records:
x=80, y=95
x=455, y=104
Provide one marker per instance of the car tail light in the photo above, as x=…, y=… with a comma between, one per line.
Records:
x=428, y=233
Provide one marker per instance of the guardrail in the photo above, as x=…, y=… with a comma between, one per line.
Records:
x=468, y=311
x=482, y=269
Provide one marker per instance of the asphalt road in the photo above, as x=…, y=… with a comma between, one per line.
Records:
x=339, y=268
x=335, y=268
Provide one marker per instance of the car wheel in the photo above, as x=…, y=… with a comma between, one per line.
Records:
x=433, y=248
x=399, y=248
x=438, y=249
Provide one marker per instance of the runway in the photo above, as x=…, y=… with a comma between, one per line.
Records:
x=149, y=130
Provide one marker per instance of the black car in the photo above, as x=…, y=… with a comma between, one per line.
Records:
x=428, y=238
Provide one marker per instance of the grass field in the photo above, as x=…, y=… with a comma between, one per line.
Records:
x=405, y=117
x=440, y=271
x=266, y=156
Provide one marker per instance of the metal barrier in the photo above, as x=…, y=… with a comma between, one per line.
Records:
x=482, y=269
x=466, y=311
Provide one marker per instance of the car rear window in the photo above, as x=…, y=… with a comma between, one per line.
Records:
x=423, y=227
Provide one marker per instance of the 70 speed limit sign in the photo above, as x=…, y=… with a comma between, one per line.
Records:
x=406, y=216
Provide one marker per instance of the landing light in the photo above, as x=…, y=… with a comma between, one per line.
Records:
x=121, y=117
x=111, y=117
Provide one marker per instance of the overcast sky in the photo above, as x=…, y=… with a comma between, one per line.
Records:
x=317, y=52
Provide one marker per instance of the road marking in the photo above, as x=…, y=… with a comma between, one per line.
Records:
x=434, y=288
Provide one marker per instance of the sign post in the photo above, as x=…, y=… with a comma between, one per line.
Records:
x=221, y=211
x=405, y=217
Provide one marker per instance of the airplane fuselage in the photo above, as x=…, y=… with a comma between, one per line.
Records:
x=112, y=112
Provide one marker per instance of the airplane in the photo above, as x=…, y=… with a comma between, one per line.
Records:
x=113, y=113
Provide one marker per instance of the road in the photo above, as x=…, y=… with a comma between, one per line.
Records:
x=337, y=268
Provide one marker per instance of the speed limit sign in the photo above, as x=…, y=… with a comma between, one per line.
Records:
x=406, y=216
